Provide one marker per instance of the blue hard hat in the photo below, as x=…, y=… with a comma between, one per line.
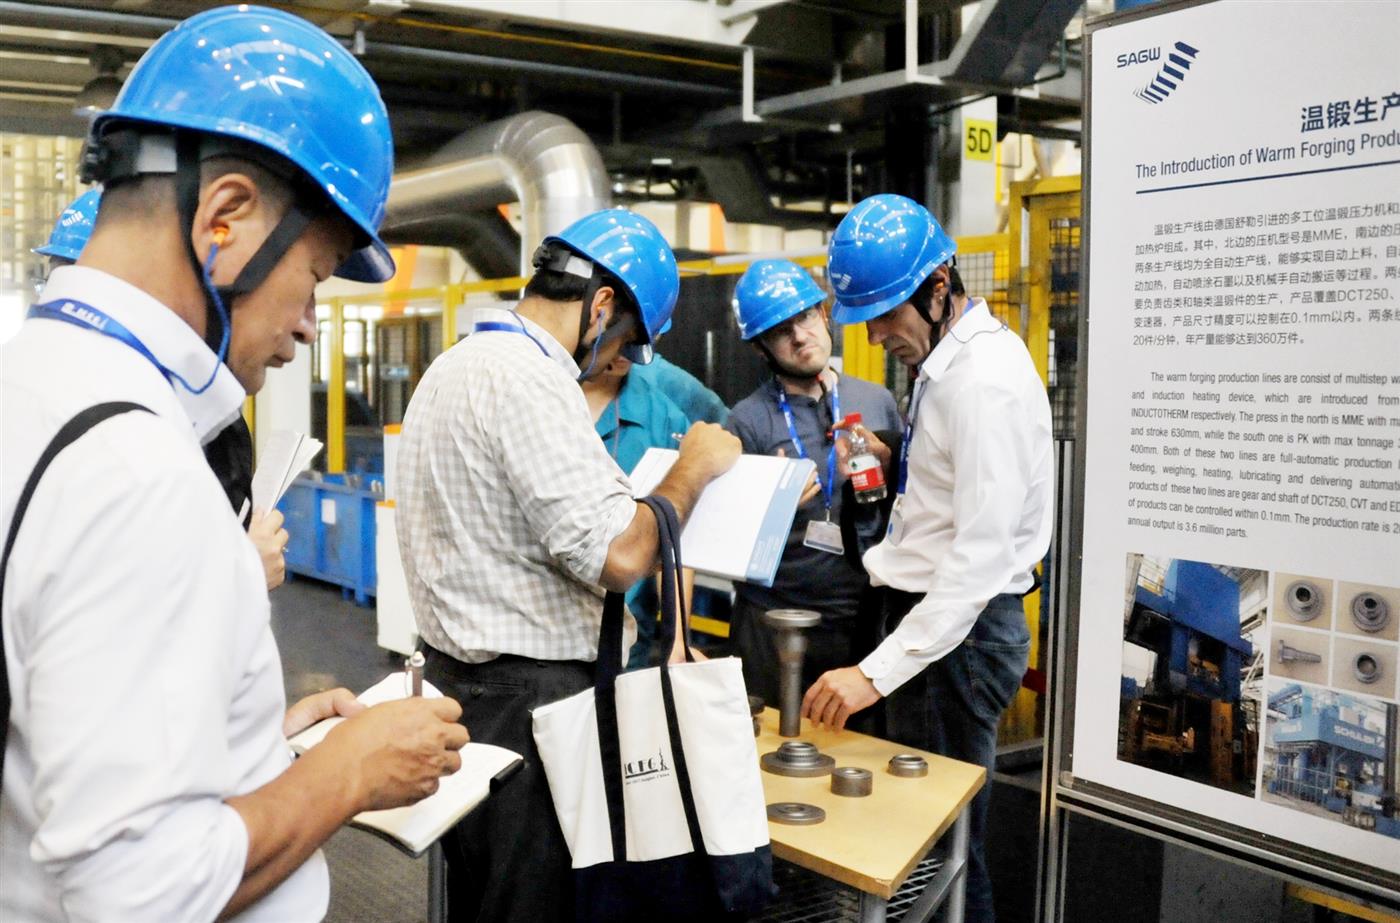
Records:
x=274, y=80
x=771, y=291
x=631, y=248
x=882, y=250
x=73, y=228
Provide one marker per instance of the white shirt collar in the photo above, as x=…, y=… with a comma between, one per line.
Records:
x=172, y=341
x=976, y=319
x=541, y=336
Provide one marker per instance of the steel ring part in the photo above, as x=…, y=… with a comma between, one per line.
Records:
x=797, y=758
x=1369, y=611
x=852, y=781
x=908, y=766
x=796, y=813
x=1303, y=600
x=1367, y=668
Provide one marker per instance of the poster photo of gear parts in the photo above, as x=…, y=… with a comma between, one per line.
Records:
x=1336, y=633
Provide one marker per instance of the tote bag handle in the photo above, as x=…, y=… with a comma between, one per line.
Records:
x=610, y=666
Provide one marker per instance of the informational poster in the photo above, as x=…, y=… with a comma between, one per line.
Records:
x=1240, y=587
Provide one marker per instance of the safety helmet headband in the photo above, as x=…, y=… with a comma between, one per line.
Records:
x=129, y=152
x=558, y=257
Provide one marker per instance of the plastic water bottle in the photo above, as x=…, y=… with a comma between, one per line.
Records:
x=866, y=473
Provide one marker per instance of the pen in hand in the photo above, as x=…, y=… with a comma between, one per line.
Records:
x=413, y=670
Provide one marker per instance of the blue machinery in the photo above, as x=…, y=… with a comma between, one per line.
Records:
x=1189, y=715
x=330, y=519
x=1326, y=754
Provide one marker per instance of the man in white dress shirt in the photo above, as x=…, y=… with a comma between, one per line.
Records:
x=972, y=514
x=146, y=772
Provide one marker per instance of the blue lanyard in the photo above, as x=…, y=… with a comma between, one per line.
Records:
x=783, y=405
x=908, y=438
x=503, y=327
x=86, y=316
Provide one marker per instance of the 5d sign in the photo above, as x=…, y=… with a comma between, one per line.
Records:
x=979, y=139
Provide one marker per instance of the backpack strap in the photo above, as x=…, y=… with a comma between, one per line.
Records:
x=69, y=433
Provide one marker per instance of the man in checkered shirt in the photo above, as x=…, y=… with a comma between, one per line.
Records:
x=513, y=519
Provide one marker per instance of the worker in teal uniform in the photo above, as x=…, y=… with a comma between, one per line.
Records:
x=631, y=415
x=688, y=393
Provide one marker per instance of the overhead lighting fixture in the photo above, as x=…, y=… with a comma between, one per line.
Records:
x=661, y=161
x=101, y=91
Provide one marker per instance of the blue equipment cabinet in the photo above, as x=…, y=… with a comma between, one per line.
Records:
x=331, y=524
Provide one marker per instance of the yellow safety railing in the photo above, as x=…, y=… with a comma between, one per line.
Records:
x=1034, y=205
x=984, y=262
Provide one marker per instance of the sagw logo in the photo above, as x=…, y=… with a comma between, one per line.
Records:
x=1172, y=72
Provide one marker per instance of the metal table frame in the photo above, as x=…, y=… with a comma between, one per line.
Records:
x=948, y=885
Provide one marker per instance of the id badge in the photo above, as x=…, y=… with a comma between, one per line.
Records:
x=895, y=532
x=824, y=535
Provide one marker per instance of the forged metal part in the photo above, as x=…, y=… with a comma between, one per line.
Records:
x=1303, y=600
x=789, y=627
x=797, y=758
x=1369, y=611
x=796, y=813
x=1367, y=668
x=1288, y=654
x=908, y=766
x=852, y=781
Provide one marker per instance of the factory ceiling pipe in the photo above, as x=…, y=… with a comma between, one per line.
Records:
x=146, y=29
x=541, y=160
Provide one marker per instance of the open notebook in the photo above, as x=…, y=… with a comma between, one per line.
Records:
x=416, y=827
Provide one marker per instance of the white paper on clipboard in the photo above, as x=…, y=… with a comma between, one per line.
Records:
x=740, y=524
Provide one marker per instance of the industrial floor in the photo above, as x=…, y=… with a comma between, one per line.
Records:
x=328, y=641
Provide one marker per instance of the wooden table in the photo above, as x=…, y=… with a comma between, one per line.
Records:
x=873, y=843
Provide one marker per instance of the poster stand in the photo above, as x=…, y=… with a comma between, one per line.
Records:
x=1245, y=794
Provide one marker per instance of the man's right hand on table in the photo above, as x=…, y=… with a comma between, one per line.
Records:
x=396, y=752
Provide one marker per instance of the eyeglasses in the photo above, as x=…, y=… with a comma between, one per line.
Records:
x=808, y=320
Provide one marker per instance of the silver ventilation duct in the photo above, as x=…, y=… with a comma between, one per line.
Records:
x=541, y=160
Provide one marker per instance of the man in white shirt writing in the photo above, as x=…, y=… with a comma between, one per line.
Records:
x=146, y=773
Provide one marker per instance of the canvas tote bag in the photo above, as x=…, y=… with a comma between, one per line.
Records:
x=655, y=778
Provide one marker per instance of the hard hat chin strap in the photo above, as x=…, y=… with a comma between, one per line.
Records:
x=217, y=325
x=939, y=327
x=219, y=299
x=621, y=326
x=585, y=316
x=127, y=153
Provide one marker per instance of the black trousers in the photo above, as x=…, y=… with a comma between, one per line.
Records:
x=507, y=861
